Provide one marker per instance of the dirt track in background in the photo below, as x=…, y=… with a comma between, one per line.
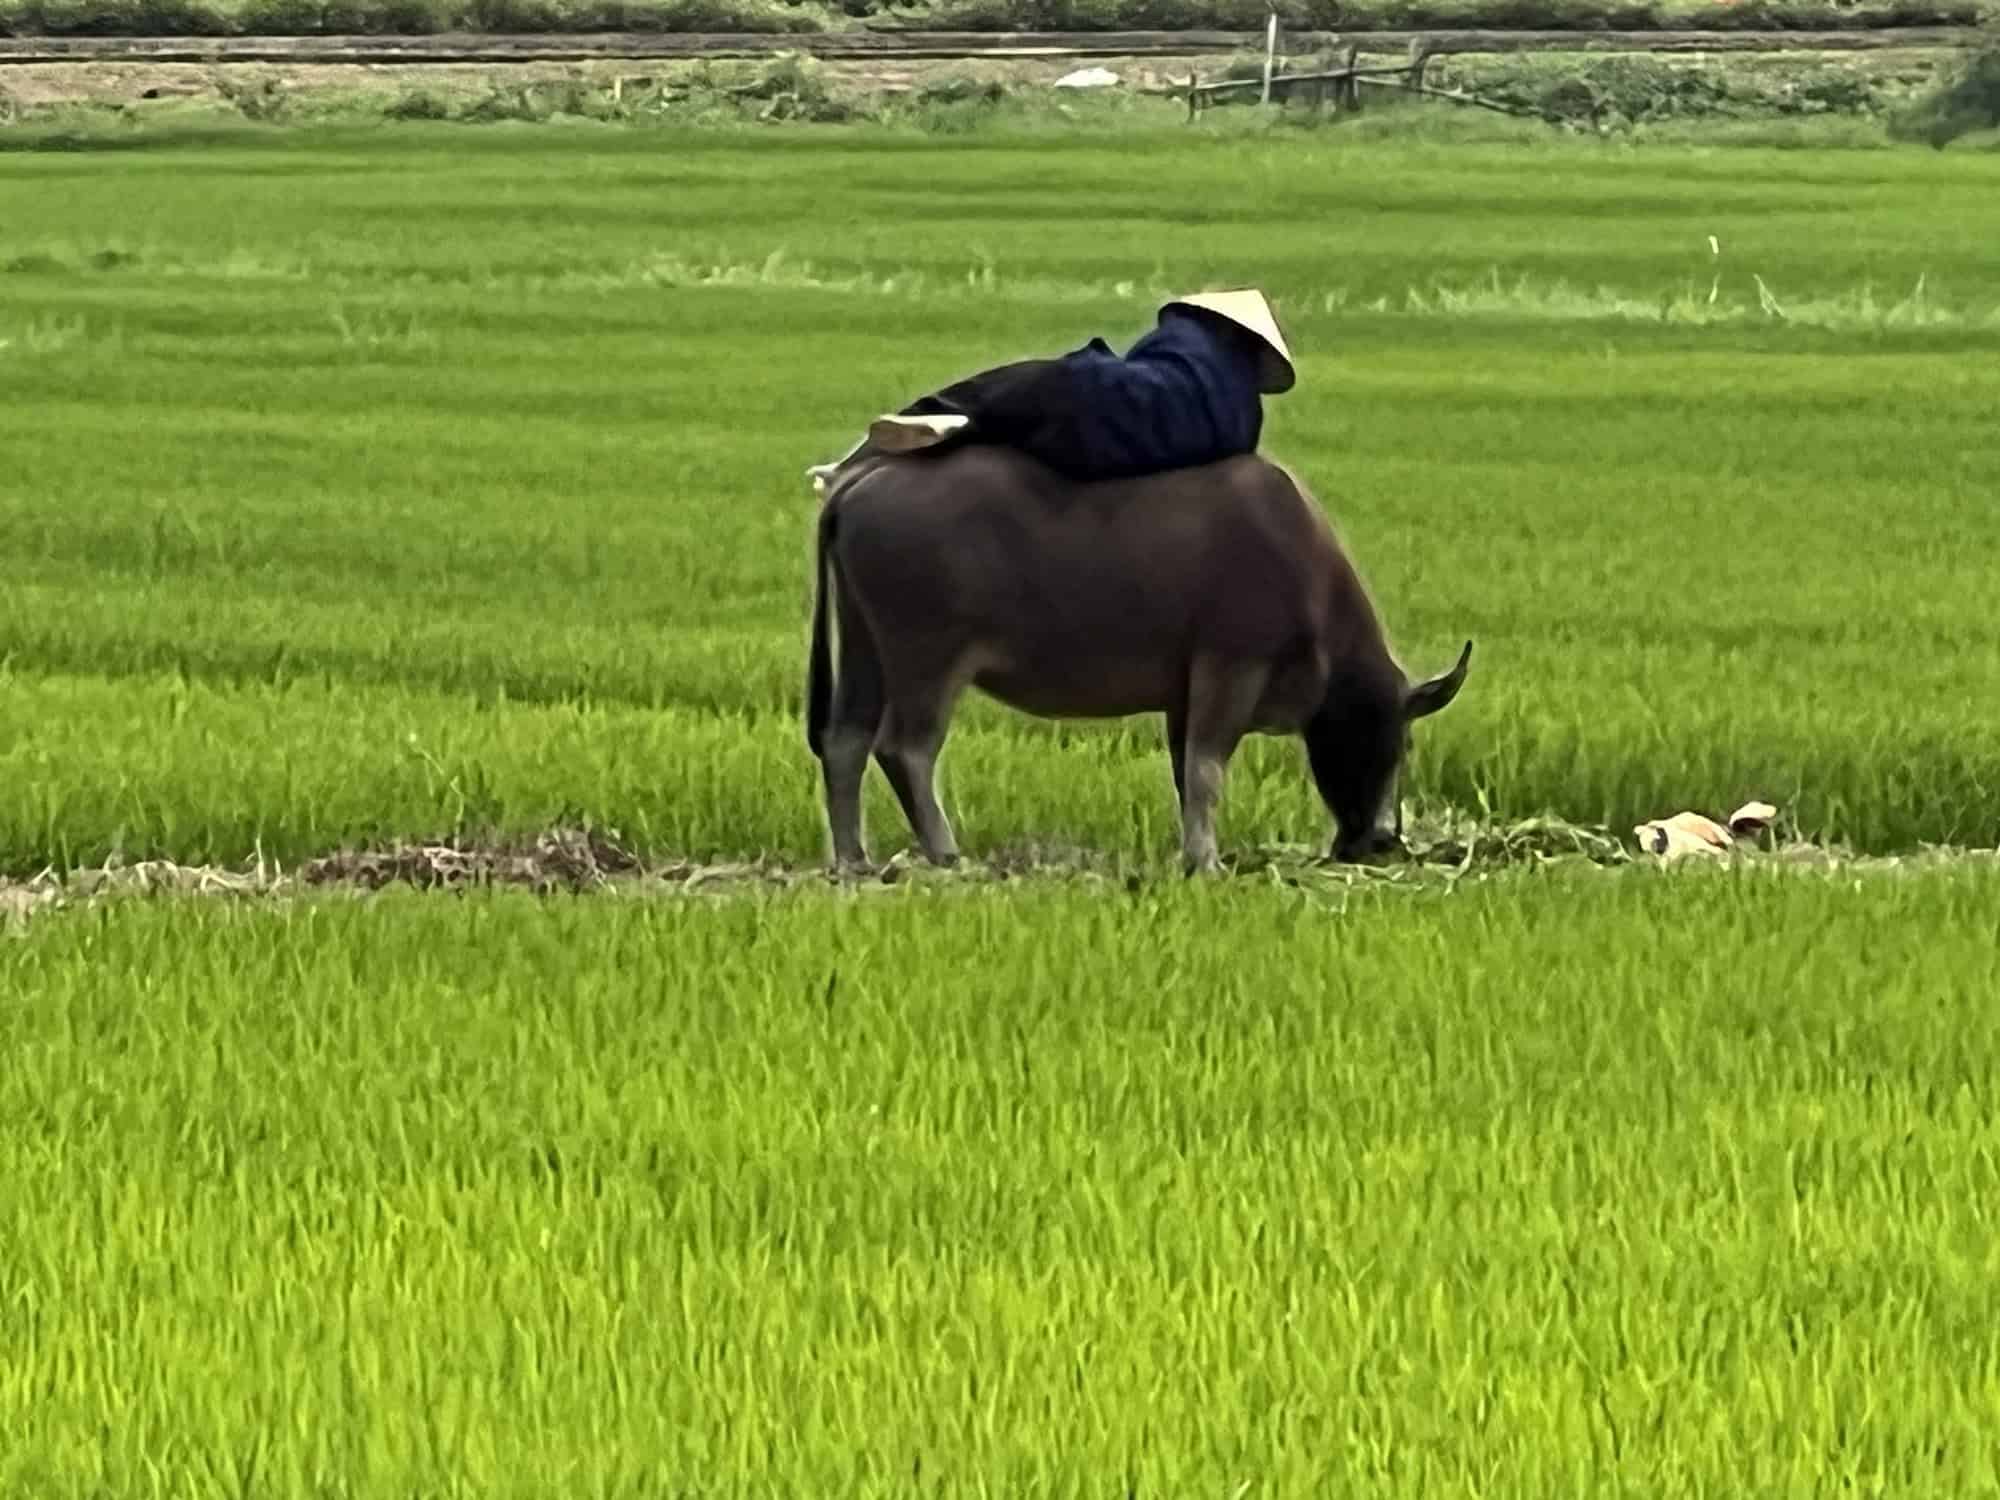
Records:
x=121, y=83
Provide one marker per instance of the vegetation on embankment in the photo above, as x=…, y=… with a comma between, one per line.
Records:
x=1966, y=102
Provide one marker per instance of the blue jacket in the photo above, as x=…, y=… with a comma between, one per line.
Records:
x=1184, y=393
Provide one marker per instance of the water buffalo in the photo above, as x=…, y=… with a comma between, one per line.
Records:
x=1216, y=596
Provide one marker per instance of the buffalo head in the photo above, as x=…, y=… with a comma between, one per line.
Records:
x=1356, y=744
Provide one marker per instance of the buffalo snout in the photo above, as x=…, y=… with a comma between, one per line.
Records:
x=1376, y=843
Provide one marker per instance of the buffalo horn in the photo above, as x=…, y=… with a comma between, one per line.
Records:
x=1429, y=696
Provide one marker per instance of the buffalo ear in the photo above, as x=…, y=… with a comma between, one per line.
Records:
x=1427, y=697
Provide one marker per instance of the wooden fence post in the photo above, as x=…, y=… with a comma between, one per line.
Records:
x=1353, y=85
x=1270, y=54
x=1420, y=54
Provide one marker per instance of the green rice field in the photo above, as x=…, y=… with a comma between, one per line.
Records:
x=372, y=485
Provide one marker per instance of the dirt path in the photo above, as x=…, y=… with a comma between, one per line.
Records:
x=125, y=82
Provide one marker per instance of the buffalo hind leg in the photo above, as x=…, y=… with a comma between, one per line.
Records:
x=1222, y=700
x=853, y=724
x=912, y=738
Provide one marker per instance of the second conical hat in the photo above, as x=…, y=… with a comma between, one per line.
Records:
x=1248, y=310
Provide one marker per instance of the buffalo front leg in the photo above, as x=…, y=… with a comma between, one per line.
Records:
x=1222, y=699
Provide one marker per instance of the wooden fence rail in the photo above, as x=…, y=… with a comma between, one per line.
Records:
x=1345, y=81
x=1201, y=95
x=1346, y=84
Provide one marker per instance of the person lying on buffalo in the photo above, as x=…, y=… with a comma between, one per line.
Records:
x=1187, y=392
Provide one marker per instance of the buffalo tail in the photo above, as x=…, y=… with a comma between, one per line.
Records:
x=819, y=667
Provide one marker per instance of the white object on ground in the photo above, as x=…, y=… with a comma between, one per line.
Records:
x=1682, y=835
x=1088, y=78
x=1752, y=817
x=1690, y=833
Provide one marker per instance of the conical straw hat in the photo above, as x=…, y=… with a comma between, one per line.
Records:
x=1248, y=310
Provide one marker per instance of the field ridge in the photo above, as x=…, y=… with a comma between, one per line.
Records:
x=576, y=858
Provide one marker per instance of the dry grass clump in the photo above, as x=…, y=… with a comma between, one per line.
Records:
x=572, y=859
